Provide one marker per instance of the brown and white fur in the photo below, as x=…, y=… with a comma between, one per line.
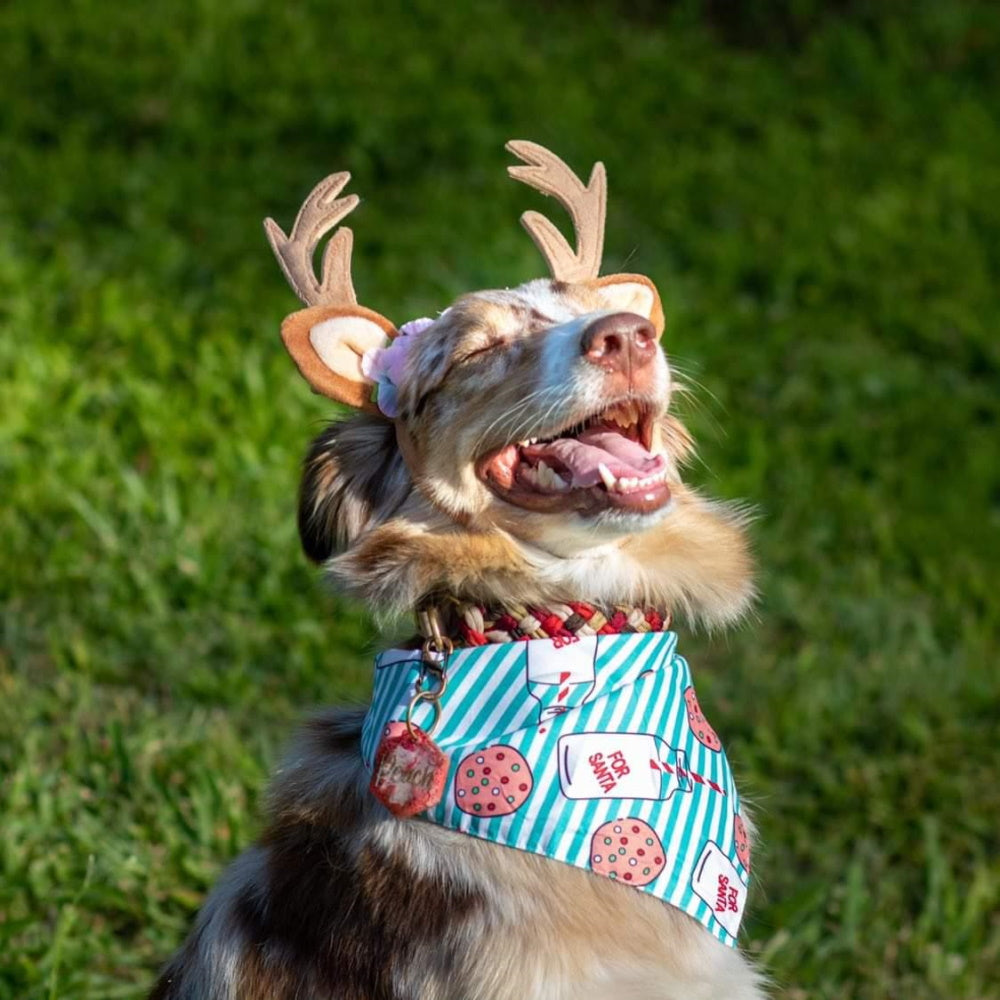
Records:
x=340, y=900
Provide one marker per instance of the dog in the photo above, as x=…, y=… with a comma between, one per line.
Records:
x=512, y=473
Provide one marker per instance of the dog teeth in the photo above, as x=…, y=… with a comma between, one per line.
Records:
x=627, y=483
x=624, y=415
x=549, y=478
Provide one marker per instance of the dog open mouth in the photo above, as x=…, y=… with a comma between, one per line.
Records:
x=602, y=462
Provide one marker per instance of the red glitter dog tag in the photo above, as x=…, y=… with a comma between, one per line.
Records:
x=409, y=771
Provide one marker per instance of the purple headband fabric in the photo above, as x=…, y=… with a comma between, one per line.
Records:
x=386, y=366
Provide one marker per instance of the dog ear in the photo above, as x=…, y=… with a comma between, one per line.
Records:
x=353, y=478
x=328, y=339
x=327, y=344
x=632, y=293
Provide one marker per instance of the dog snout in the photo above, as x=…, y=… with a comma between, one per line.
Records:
x=621, y=342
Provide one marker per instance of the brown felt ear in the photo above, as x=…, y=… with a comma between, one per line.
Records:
x=327, y=344
x=632, y=293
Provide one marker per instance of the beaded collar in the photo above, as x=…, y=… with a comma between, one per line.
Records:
x=469, y=624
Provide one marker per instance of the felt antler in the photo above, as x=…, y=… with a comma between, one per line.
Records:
x=327, y=340
x=319, y=213
x=587, y=205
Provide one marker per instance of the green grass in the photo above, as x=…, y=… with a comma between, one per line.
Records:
x=818, y=197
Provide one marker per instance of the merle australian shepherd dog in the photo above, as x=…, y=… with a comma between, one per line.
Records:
x=521, y=453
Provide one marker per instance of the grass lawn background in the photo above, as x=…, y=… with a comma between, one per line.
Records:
x=817, y=194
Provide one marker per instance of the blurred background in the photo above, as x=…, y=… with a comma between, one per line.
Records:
x=815, y=187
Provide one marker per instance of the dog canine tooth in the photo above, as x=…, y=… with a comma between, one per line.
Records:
x=607, y=476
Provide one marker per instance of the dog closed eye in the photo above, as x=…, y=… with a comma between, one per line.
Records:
x=481, y=352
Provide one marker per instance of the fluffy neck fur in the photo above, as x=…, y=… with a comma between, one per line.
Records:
x=695, y=563
x=385, y=543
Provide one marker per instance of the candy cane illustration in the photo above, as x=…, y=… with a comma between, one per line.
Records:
x=682, y=773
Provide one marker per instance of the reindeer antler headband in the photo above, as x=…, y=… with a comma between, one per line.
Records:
x=329, y=339
x=587, y=207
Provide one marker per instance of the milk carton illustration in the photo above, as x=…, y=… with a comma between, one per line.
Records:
x=561, y=673
x=620, y=766
x=397, y=657
x=719, y=884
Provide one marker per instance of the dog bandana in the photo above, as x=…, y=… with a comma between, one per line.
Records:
x=592, y=751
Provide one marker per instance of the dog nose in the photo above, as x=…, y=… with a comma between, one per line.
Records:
x=620, y=342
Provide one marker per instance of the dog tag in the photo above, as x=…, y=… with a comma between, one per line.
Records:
x=409, y=771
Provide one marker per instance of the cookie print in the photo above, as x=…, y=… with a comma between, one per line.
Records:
x=742, y=841
x=703, y=732
x=627, y=850
x=495, y=781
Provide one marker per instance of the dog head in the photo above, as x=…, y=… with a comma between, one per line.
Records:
x=519, y=446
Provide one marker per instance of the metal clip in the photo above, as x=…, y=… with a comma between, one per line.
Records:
x=436, y=650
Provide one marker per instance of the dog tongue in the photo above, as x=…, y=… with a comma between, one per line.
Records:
x=595, y=446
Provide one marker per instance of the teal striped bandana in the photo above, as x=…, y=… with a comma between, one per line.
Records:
x=591, y=750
